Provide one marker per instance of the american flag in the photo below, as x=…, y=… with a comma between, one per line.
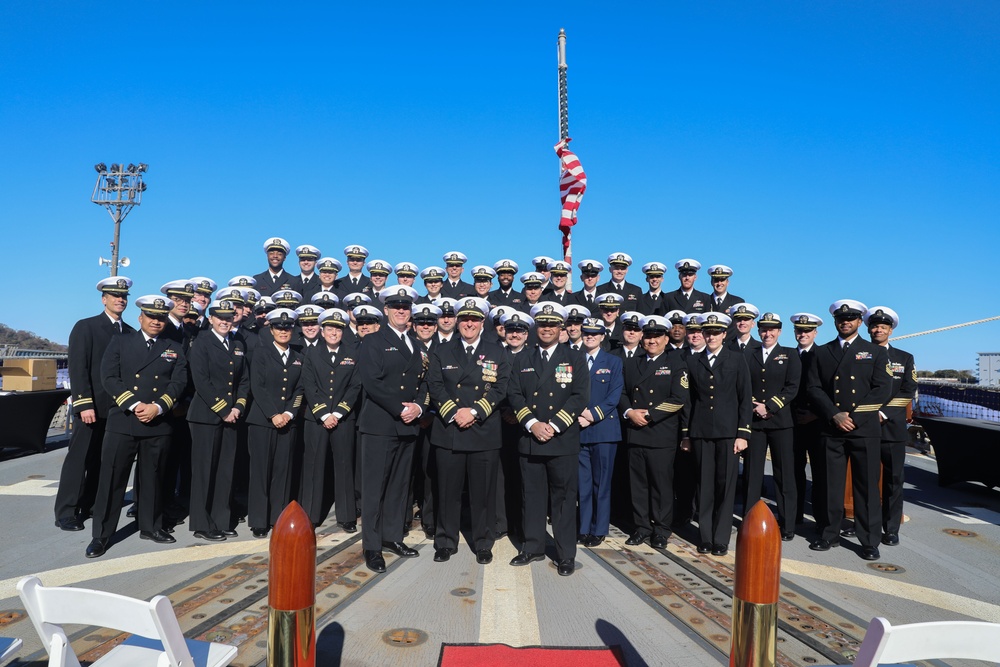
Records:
x=572, y=185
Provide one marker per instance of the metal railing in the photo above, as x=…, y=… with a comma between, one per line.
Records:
x=17, y=352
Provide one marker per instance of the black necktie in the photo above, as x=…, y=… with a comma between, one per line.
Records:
x=284, y=358
x=743, y=346
x=118, y=327
x=590, y=362
x=711, y=360
x=468, y=352
x=590, y=299
x=629, y=354
x=149, y=343
x=225, y=344
x=545, y=359
x=305, y=282
x=619, y=288
x=355, y=281
x=846, y=346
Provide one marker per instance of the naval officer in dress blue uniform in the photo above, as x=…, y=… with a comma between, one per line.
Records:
x=848, y=382
x=275, y=277
x=91, y=402
x=549, y=388
x=145, y=373
x=881, y=321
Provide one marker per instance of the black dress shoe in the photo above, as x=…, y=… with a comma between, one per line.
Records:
x=72, y=524
x=720, y=550
x=636, y=538
x=168, y=529
x=565, y=567
x=820, y=545
x=258, y=532
x=890, y=539
x=787, y=535
x=210, y=535
x=83, y=515
x=870, y=553
x=230, y=533
x=418, y=515
x=158, y=536
x=501, y=534
x=374, y=561
x=132, y=511
x=704, y=548
x=97, y=547
x=526, y=557
x=658, y=541
x=443, y=554
x=242, y=519
x=349, y=526
x=484, y=556
x=848, y=532
x=400, y=549
x=595, y=540
x=582, y=538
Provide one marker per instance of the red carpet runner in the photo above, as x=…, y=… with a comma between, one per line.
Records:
x=501, y=655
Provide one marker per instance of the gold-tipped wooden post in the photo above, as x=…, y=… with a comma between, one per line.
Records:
x=291, y=631
x=755, y=590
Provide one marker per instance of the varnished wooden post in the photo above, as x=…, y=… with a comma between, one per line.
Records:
x=291, y=632
x=755, y=589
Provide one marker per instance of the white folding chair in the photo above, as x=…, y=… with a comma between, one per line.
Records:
x=156, y=638
x=885, y=644
x=8, y=647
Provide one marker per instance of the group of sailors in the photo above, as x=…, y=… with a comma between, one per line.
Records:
x=643, y=407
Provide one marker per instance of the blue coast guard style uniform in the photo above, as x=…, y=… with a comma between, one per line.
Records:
x=599, y=441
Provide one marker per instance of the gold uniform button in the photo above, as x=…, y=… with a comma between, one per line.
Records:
x=137, y=375
x=135, y=389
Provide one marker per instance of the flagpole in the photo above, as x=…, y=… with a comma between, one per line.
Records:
x=564, y=134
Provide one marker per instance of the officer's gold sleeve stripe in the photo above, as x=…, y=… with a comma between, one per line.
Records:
x=867, y=408
x=564, y=417
x=82, y=401
x=684, y=430
x=218, y=407
x=669, y=407
x=297, y=403
x=448, y=405
x=317, y=408
x=899, y=402
x=242, y=402
x=523, y=414
x=485, y=405
x=169, y=402
x=344, y=406
x=778, y=402
x=744, y=429
x=600, y=414
x=124, y=397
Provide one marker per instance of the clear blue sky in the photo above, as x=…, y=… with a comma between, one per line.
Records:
x=823, y=150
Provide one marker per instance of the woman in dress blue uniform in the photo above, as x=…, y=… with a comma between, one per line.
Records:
x=219, y=368
x=719, y=429
x=276, y=389
x=601, y=432
x=332, y=387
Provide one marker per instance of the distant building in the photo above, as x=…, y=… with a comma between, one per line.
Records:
x=989, y=368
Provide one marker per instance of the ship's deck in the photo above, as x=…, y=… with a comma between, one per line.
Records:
x=664, y=607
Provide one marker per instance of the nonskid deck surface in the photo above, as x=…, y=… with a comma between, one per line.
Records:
x=669, y=606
